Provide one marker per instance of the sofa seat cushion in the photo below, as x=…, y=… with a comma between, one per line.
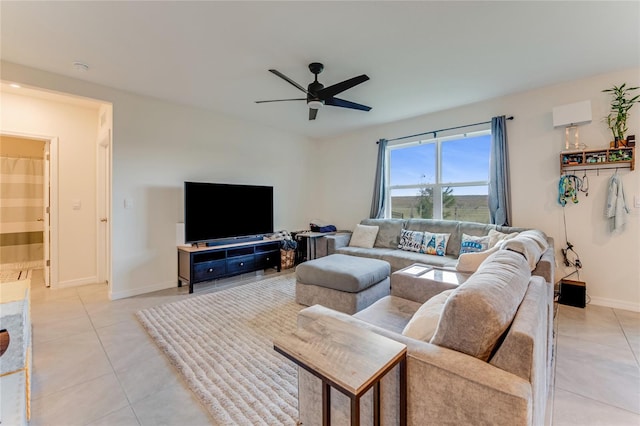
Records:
x=480, y=310
x=342, y=272
x=373, y=253
x=391, y=313
x=399, y=259
x=424, y=322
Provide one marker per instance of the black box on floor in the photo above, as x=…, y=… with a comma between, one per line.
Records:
x=573, y=293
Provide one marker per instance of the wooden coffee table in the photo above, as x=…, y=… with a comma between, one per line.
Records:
x=347, y=358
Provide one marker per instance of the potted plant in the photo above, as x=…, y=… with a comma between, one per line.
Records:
x=620, y=106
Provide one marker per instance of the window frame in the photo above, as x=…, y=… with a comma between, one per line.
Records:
x=438, y=185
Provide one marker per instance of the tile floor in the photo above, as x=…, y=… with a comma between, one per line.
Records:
x=94, y=364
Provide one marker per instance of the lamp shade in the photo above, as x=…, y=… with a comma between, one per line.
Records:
x=572, y=114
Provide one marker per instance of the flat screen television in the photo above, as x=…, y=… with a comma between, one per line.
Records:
x=218, y=211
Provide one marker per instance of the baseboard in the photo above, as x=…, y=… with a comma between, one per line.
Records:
x=616, y=304
x=141, y=290
x=77, y=282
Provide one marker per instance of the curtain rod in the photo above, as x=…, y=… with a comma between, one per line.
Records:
x=434, y=132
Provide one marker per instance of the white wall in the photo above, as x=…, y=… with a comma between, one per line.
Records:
x=611, y=260
x=76, y=128
x=156, y=147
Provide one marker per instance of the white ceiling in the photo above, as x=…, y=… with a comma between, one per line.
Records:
x=421, y=56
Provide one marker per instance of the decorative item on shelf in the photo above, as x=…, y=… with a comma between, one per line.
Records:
x=619, y=114
x=571, y=116
x=592, y=159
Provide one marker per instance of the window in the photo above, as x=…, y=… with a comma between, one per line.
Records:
x=442, y=178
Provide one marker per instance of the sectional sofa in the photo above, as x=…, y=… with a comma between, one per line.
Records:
x=388, y=238
x=488, y=361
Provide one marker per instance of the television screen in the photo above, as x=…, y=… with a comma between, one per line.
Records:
x=215, y=211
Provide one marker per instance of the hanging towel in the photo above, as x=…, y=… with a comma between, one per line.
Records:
x=616, y=204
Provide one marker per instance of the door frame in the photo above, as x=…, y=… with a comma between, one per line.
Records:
x=103, y=206
x=52, y=143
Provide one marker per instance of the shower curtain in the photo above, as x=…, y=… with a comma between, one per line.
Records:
x=21, y=211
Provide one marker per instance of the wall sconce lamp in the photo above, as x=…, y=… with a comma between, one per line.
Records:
x=571, y=116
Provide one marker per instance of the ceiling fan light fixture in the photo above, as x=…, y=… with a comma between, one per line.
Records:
x=315, y=104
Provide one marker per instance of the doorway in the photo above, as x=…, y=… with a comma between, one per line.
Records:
x=25, y=212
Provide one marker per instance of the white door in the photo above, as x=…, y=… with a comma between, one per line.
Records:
x=46, y=215
x=104, y=205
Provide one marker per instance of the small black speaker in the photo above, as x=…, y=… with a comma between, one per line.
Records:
x=573, y=293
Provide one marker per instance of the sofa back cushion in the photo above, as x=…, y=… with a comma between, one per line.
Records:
x=531, y=244
x=388, y=231
x=479, y=311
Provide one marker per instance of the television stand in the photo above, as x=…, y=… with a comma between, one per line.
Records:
x=200, y=264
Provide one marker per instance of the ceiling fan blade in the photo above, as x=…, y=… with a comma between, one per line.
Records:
x=288, y=80
x=346, y=104
x=312, y=113
x=281, y=100
x=329, y=92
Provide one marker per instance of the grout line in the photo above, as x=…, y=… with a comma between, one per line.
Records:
x=635, y=356
x=597, y=401
x=95, y=330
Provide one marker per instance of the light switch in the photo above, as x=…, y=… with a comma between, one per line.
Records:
x=636, y=201
x=76, y=204
x=128, y=203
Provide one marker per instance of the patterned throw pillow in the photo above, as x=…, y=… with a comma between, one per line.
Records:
x=411, y=240
x=471, y=244
x=435, y=243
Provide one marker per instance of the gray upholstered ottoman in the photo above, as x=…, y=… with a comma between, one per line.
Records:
x=345, y=283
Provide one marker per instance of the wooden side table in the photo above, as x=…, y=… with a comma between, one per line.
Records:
x=311, y=242
x=349, y=359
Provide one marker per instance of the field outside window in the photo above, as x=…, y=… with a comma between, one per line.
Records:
x=442, y=178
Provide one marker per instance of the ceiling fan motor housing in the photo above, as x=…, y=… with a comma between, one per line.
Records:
x=313, y=90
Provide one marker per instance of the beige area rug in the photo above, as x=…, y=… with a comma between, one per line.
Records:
x=222, y=343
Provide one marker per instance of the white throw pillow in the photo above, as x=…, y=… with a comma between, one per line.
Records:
x=364, y=236
x=424, y=322
x=469, y=262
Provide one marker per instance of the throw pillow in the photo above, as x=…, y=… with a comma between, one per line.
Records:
x=435, y=243
x=469, y=262
x=411, y=240
x=471, y=244
x=424, y=322
x=363, y=236
x=497, y=236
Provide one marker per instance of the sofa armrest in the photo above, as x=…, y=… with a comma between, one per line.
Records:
x=336, y=241
x=444, y=385
x=545, y=267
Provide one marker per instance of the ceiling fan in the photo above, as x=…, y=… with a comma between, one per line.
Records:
x=318, y=95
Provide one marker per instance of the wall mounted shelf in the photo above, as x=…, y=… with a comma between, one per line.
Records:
x=598, y=159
